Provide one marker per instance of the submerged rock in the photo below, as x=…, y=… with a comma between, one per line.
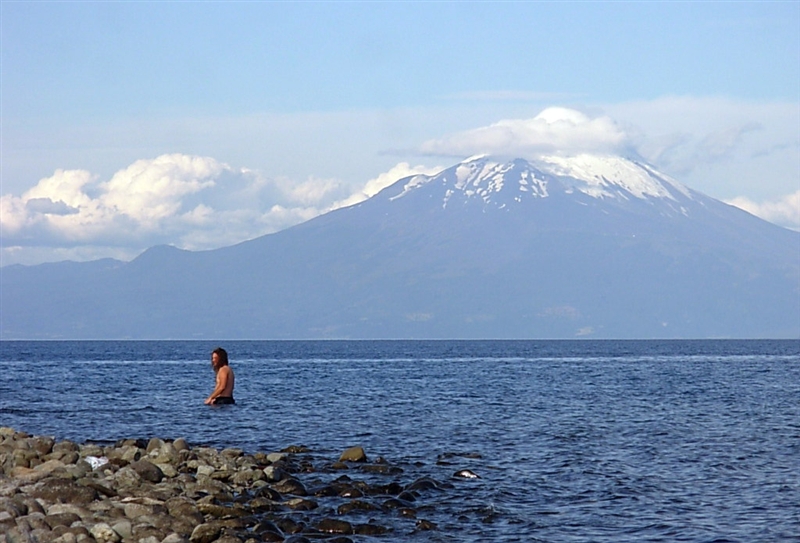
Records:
x=353, y=454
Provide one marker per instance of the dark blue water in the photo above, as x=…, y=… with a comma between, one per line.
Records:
x=603, y=441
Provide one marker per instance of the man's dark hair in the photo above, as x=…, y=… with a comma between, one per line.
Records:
x=223, y=355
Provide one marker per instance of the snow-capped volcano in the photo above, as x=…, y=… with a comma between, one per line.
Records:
x=590, y=245
x=504, y=183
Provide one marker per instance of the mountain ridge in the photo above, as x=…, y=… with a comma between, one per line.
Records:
x=466, y=253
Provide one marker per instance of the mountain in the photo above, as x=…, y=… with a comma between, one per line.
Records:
x=585, y=246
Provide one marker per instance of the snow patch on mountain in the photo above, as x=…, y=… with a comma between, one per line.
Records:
x=604, y=176
x=501, y=181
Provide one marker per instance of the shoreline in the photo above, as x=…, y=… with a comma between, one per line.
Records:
x=166, y=491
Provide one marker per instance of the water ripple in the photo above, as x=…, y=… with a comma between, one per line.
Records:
x=573, y=441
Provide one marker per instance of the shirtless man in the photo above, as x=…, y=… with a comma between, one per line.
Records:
x=223, y=392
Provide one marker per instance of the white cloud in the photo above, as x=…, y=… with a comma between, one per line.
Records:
x=747, y=153
x=148, y=191
x=783, y=211
x=188, y=201
x=377, y=184
x=555, y=130
x=720, y=146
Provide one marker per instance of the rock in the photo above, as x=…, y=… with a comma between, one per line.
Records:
x=125, y=477
x=50, y=466
x=370, y=529
x=78, y=470
x=276, y=457
x=231, y=452
x=353, y=454
x=65, y=446
x=58, y=508
x=424, y=525
x=206, y=533
x=382, y=469
x=184, y=508
x=269, y=493
x=43, y=536
x=148, y=492
x=220, y=511
x=61, y=519
x=274, y=474
x=407, y=512
x=153, y=444
x=136, y=510
x=394, y=503
x=267, y=526
x=206, y=471
x=37, y=522
x=128, y=453
x=247, y=477
x=99, y=487
x=466, y=474
x=103, y=533
x=334, y=526
x=28, y=475
x=64, y=491
x=167, y=469
x=42, y=445
x=355, y=505
x=144, y=531
x=422, y=484
x=13, y=508
x=291, y=486
x=91, y=449
x=68, y=537
x=301, y=504
x=147, y=471
x=124, y=528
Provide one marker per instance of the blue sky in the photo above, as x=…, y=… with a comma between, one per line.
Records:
x=262, y=114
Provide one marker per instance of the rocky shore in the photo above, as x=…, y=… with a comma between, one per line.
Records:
x=166, y=491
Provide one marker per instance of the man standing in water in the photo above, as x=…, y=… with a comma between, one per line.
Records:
x=223, y=391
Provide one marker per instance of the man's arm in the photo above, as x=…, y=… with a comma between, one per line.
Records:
x=222, y=383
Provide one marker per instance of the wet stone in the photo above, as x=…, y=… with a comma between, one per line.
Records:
x=355, y=505
x=382, y=469
x=291, y=486
x=220, y=511
x=160, y=491
x=289, y=525
x=334, y=526
x=353, y=454
x=371, y=529
x=205, y=533
x=301, y=504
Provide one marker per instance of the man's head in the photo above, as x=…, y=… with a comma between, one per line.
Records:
x=219, y=357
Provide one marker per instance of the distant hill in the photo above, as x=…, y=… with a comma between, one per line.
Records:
x=587, y=246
